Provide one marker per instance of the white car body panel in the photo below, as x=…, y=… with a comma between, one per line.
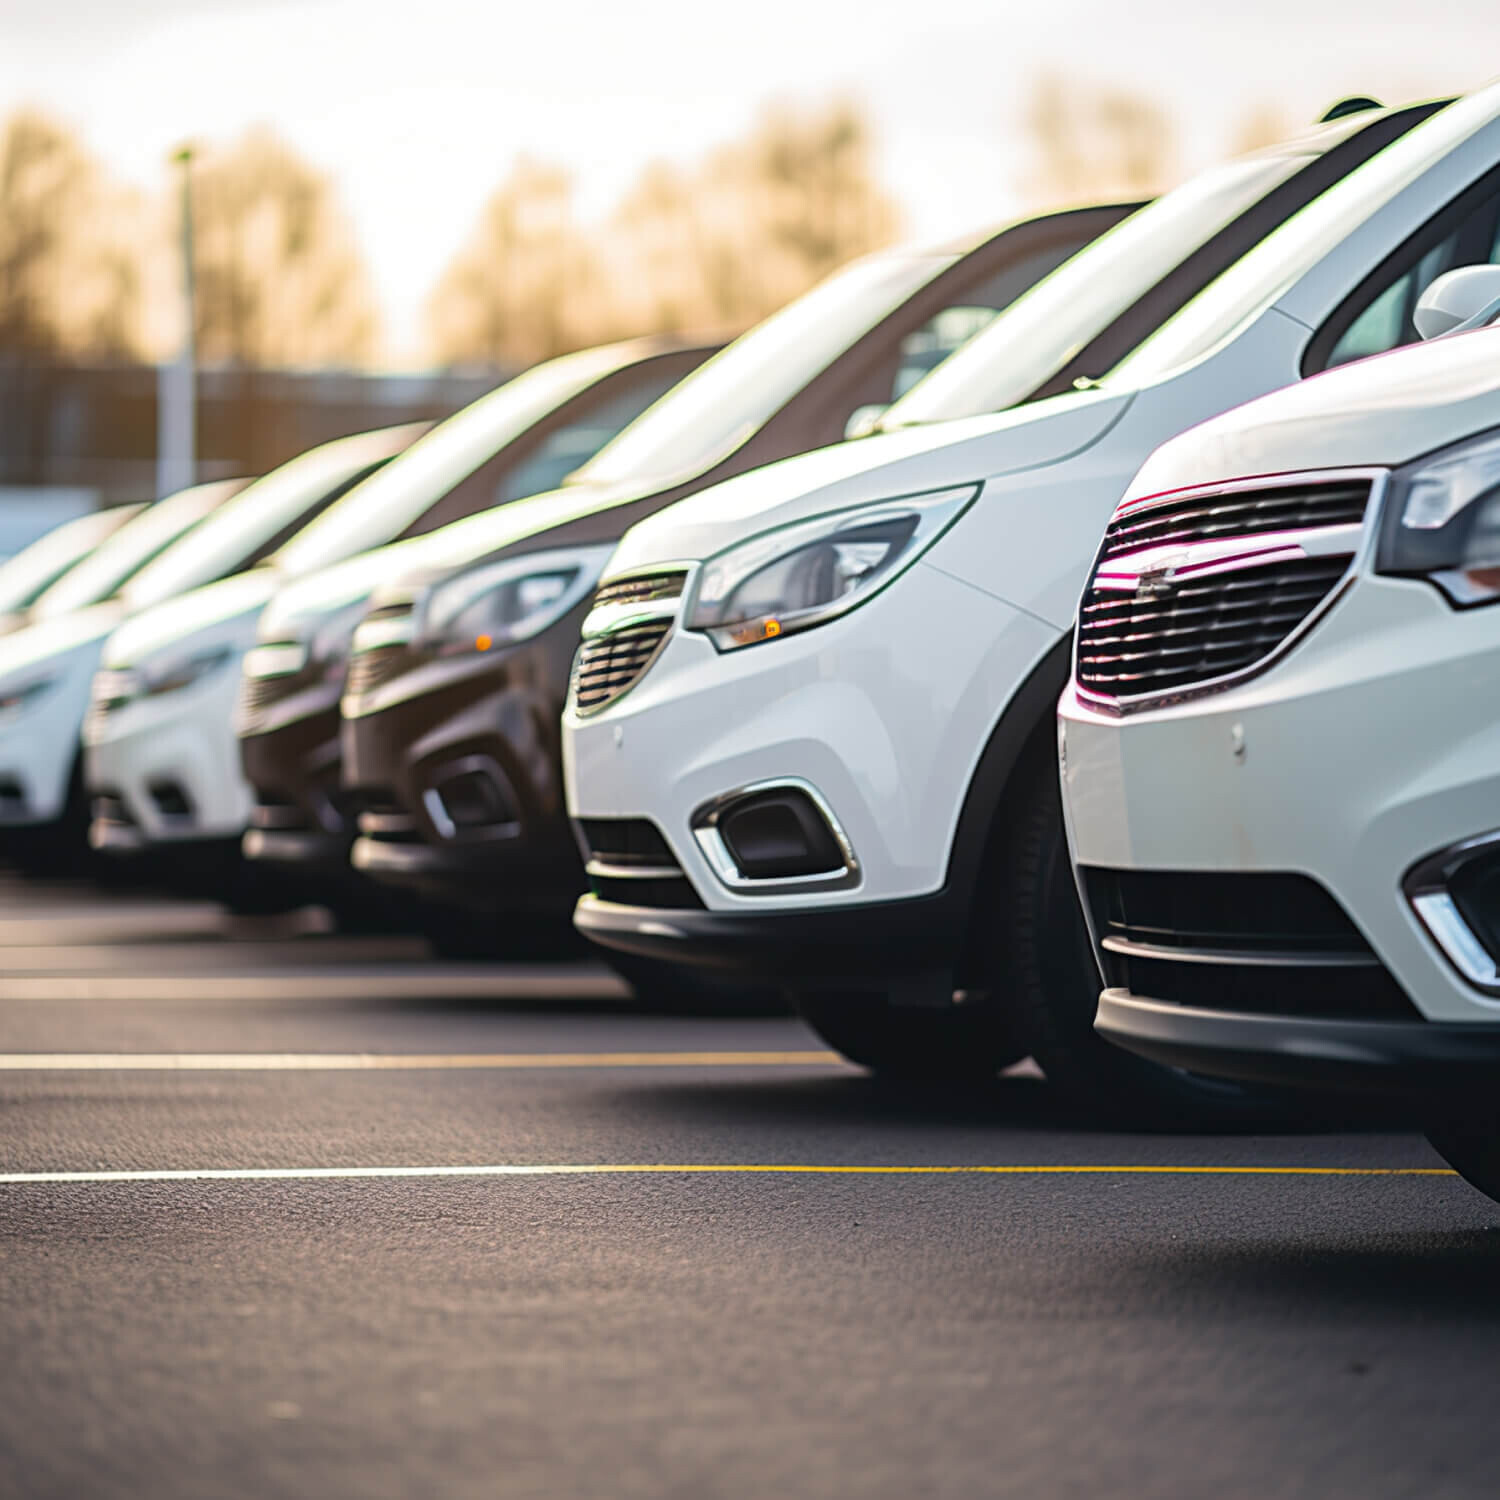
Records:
x=919, y=696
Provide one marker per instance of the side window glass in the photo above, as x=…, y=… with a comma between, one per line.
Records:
x=1385, y=321
x=973, y=307
x=505, y=478
x=574, y=443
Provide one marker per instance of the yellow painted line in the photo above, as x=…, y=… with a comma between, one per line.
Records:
x=626, y=1169
x=359, y=1062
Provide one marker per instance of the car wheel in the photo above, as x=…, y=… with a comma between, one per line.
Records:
x=956, y=1044
x=1470, y=1143
x=1054, y=983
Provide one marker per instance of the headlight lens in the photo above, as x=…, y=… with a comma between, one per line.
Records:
x=1442, y=522
x=14, y=701
x=113, y=689
x=508, y=601
x=280, y=659
x=805, y=574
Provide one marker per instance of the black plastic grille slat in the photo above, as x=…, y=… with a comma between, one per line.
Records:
x=1131, y=644
x=626, y=841
x=671, y=893
x=646, y=589
x=1238, y=513
x=609, y=664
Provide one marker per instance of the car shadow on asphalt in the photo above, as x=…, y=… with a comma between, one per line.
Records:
x=1420, y=1276
x=859, y=1100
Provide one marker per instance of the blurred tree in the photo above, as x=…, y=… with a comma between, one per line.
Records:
x=68, y=285
x=525, y=286
x=279, y=281
x=716, y=247
x=1090, y=141
x=1263, y=126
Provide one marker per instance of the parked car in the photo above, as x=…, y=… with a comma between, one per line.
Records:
x=524, y=437
x=46, y=668
x=27, y=574
x=822, y=749
x=457, y=680
x=129, y=730
x=1281, y=759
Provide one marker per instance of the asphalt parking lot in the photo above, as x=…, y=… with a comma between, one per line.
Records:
x=290, y=1214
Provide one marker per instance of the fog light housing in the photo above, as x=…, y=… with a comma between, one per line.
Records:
x=772, y=835
x=1456, y=896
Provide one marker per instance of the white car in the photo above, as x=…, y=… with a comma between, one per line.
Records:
x=144, y=775
x=46, y=668
x=839, y=745
x=31, y=571
x=1281, y=750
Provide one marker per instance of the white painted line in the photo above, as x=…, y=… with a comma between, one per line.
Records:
x=625, y=1169
x=356, y=1062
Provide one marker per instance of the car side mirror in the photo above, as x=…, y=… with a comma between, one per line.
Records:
x=862, y=420
x=1456, y=298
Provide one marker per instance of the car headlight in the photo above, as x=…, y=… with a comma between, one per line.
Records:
x=14, y=701
x=813, y=571
x=508, y=601
x=113, y=689
x=1442, y=522
x=326, y=647
x=278, y=659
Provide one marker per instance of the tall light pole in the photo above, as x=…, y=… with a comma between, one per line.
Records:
x=176, y=421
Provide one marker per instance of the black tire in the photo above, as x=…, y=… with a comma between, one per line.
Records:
x=671, y=989
x=1469, y=1141
x=965, y=1044
x=1053, y=982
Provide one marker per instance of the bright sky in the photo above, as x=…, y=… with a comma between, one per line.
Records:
x=417, y=107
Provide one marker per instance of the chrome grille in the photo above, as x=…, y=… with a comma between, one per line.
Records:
x=1203, y=516
x=1197, y=590
x=646, y=589
x=259, y=693
x=369, y=670
x=608, y=665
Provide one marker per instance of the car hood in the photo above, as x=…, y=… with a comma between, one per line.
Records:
x=302, y=605
x=1380, y=411
x=51, y=638
x=885, y=466
x=164, y=624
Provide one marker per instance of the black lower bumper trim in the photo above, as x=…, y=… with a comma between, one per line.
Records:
x=303, y=847
x=1303, y=1051
x=844, y=945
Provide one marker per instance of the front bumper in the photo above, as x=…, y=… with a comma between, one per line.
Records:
x=459, y=787
x=1420, y=1058
x=884, y=714
x=1371, y=746
x=300, y=814
x=167, y=769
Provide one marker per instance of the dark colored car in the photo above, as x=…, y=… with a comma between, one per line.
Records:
x=451, y=746
x=522, y=438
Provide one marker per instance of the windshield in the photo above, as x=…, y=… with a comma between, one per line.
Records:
x=1257, y=281
x=131, y=548
x=242, y=528
x=24, y=576
x=386, y=503
x=722, y=403
x=1042, y=330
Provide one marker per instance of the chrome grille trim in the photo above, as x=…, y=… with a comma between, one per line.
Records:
x=1177, y=606
x=628, y=624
